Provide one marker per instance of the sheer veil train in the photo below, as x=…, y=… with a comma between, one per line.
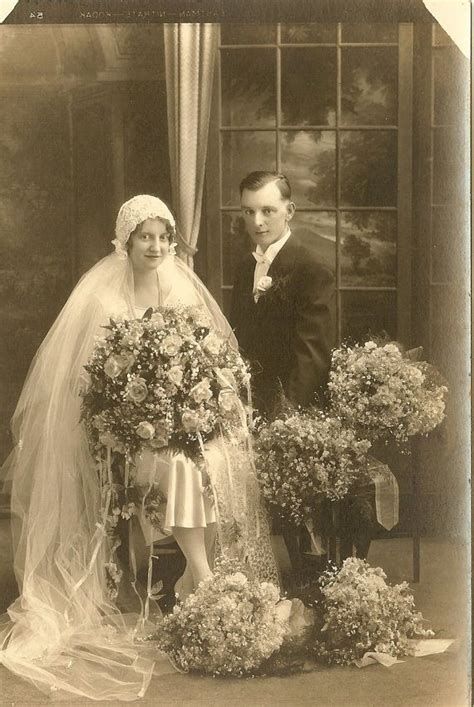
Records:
x=63, y=632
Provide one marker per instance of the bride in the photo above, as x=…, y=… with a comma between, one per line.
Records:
x=63, y=632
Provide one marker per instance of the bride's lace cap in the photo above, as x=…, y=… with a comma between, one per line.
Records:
x=133, y=213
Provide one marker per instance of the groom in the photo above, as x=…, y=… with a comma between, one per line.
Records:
x=282, y=301
x=281, y=310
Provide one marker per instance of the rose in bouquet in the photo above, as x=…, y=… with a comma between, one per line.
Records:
x=361, y=612
x=380, y=392
x=304, y=457
x=165, y=380
x=229, y=626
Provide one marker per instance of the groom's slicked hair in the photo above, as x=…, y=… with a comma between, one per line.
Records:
x=256, y=180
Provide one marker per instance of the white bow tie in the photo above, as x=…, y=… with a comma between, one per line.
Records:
x=261, y=258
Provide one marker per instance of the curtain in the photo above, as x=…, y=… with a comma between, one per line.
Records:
x=190, y=51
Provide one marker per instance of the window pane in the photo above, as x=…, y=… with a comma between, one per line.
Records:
x=318, y=233
x=448, y=166
x=447, y=243
x=369, y=168
x=369, y=85
x=361, y=33
x=368, y=249
x=317, y=32
x=244, y=152
x=248, y=87
x=450, y=76
x=236, y=244
x=308, y=86
x=308, y=159
x=247, y=34
x=367, y=314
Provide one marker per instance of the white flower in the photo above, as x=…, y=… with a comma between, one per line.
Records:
x=125, y=359
x=201, y=392
x=161, y=437
x=112, y=367
x=212, y=344
x=370, y=345
x=227, y=400
x=158, y=320
x=264, y=284
x=238, y=579
x=136, y=390
x=175, y=375
x=171, y=344
x=200, y=318
x=392, y=348
x=145, y=430
x=190, y=421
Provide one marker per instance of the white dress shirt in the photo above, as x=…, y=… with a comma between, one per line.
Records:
x=265, y=259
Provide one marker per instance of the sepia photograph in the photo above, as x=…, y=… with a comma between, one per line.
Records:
x=235, y=329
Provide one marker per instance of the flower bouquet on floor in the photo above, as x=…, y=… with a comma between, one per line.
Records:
x=229, y=626
x=359, y=612
x=234, y=625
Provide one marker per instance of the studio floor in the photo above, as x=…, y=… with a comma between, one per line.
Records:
x=433, y=680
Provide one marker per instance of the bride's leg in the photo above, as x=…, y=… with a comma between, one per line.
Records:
x=191, y=542
x=185, y=584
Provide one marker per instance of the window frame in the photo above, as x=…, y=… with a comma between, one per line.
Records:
x=402, y=209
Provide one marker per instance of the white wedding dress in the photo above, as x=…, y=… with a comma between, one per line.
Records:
x=63, y=633
x=177, y=477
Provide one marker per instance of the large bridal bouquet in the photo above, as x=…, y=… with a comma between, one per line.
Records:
x=162, y=381
x=379, y=392
x=306, y=456
x=360, y=612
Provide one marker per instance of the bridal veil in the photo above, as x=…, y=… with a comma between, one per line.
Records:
x=63, y=633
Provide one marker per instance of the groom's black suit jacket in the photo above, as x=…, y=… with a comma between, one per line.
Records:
x=288, y=334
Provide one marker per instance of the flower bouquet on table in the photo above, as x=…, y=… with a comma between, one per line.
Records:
x=304, y=457
x=380, y=392
x=384, y=394
x=359, y=613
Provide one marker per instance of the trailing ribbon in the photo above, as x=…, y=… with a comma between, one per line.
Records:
x=213, y=488
x=386, y=493
x=316, y=545
x=227, y=460
x=100, y=533
x=419, y=648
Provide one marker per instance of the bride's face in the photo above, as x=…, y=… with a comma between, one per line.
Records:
x=149, y=245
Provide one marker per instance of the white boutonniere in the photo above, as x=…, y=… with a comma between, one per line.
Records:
x=263, y=285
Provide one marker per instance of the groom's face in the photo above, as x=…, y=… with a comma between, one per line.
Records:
x=266, y=214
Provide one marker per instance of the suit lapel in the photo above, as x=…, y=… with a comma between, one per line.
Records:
x=248, y=271
x=246, y=284
x=285, y=259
